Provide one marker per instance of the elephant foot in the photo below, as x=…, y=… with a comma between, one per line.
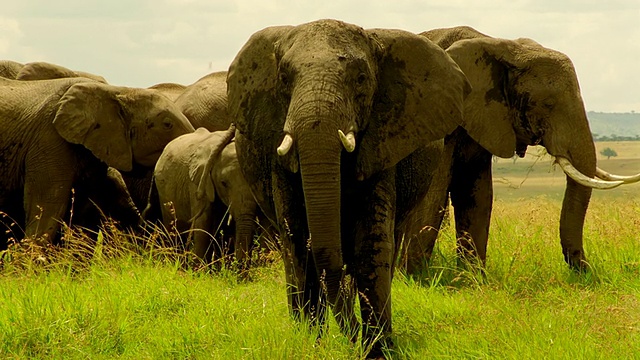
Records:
x=377, y=349
x=576, y=260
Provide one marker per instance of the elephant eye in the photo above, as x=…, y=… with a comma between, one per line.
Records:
x=284, y=79
x=362, y=77
x=167, y=124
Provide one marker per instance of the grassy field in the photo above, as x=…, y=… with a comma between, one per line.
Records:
x=116, y=300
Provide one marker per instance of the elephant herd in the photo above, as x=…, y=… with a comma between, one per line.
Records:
x=346, y=139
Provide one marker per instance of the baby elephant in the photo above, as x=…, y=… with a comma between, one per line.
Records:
x=198, y=179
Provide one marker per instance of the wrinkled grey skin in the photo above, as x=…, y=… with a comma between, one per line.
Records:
x=170, y=90
x=204, y=102
x=336, y=211
x=10, y=69
x=62, y=133
x=42, y=71
x=523, y=94
x=198, y=180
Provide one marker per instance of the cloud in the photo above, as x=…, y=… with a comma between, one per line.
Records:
x=139, y=43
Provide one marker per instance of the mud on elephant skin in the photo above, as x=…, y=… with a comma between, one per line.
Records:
x=523, y=94
x=331, y=124
x=196, y=182
x=55, y=134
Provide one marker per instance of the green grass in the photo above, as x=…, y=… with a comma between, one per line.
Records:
x=123, y=302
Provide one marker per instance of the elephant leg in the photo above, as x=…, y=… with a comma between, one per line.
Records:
x=245, y=229
x=471, y=191
x=374, y=250
x=426, y=218
x=423, y=227
x=45, y=204
x=199, y=239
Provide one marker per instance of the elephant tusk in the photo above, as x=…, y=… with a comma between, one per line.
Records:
x=284, y=148
x=612, y=177
x=348, y=141
x=582, y=179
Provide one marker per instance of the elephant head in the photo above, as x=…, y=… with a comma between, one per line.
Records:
x=44, y=71
x=10, y=69
x=525, y=94
x=312, y=95
x=119, y=125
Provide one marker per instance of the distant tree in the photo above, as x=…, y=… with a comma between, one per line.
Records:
x=608, y=152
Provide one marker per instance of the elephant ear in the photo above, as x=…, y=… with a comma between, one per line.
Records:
x=89, y=114
x=251, y=82
x=419, y=99
x=489, y=64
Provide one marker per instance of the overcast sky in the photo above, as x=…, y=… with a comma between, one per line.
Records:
x=141, y=43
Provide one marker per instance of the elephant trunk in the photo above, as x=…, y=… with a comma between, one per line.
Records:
x=580, y=150
x=245, y=228
x=574, y=206
x=320, y=170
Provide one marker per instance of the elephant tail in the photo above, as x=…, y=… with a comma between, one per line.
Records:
x=152, y=212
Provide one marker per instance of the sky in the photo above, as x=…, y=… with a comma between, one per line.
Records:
x=140, y=43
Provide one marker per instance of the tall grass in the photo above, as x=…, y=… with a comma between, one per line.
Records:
x=117, y=298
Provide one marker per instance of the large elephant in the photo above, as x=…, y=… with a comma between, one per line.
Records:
x=523, y=94
x=331, y=125
x=62, y=133
x=197, y=180
x=41, y=70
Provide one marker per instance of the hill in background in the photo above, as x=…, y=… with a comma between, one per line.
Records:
x=614, y=126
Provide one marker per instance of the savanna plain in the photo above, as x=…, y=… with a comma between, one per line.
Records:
x=133, y=298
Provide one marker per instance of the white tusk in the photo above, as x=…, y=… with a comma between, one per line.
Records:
x=284, y=148
x=348, y=141
x=611, y=177
x=582, y=179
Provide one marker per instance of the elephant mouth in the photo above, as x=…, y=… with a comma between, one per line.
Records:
x=521, y=146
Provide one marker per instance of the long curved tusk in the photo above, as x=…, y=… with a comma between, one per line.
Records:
x=348, y=141
x=284, y=148
x=612, y=177
x=582, y=179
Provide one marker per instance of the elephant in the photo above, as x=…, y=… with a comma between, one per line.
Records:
x=332, y=122
x=196, y=181
x=62, y=133
x=42, y=71
x=204, y=103
x=109, y=194
x=523, y=94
